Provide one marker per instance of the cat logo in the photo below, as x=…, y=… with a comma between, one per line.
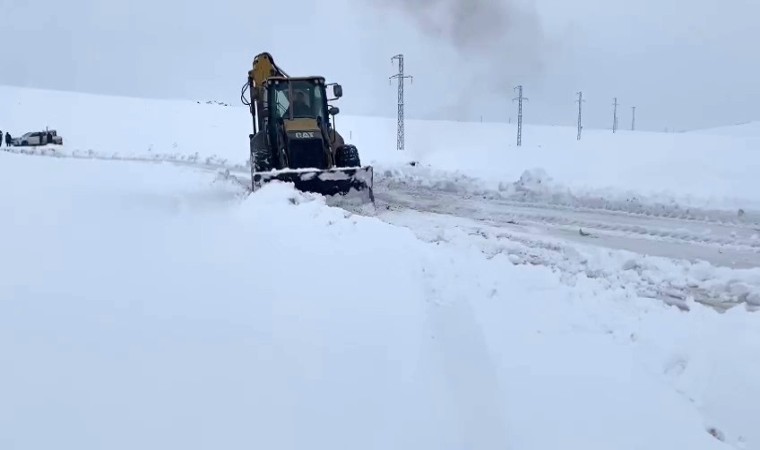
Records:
x=304, y=135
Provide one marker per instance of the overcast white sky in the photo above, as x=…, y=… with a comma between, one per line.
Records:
x=684, y=63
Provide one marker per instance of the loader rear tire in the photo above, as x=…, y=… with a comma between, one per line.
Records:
x=347, y=156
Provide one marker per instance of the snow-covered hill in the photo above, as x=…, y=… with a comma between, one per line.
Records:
x=157, y=305
x=692, y=169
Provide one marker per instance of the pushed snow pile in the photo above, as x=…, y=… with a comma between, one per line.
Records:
x=533, y=181
x=151, y=306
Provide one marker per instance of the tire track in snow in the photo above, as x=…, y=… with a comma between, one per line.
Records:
x=676, y=283
x=529, y=193
x=471, y=377
x=734, y=245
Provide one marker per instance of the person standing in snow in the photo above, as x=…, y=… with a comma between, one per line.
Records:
x=8, y=139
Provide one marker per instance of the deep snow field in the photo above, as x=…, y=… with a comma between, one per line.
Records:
x=159, y=305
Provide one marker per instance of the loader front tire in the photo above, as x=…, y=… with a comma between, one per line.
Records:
x=261, y=159
x=347, y=156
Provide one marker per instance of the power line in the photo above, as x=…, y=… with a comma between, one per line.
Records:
x=400, y=76
x=519, y=99
x=580, y=113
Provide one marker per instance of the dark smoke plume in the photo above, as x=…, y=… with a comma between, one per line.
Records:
x=467, y=24
x=499, y=43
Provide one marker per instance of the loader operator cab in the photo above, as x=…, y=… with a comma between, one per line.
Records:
x=300, y=98
x=305, y=97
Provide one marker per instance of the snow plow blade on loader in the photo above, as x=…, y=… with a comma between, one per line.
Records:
x=329, y=182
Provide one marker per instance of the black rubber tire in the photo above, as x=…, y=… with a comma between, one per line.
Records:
x=347, y=156
x=261, y=161
x=260, y=155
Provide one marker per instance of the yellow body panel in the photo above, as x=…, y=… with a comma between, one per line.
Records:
x=301, y=124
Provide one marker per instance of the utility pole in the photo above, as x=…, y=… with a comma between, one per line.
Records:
x=580, y=113
x=400, y=76
x=520, y=100
x=614, y=117
x=633, y=119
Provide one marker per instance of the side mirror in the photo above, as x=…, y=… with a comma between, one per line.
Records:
x=337, y=91
x=334, y=110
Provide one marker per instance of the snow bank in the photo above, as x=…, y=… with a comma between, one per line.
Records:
x=144, y=307
x=747, y=129
x=706, y=170
x=151, y=306
x=691, y=170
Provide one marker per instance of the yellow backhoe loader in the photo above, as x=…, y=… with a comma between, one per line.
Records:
x=293, y=138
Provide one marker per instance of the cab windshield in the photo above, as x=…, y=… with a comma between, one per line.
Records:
x=301, y=98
